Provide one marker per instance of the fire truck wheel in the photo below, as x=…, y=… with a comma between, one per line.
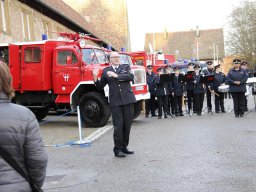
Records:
x=137, y=109
x=94, y=110
x=41, y=113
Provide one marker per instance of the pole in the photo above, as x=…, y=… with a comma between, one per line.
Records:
x=197, y=54
x=213, y=52
x=79, y=124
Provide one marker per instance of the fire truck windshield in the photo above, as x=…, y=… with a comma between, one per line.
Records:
x=125, y=59
x=94, y=56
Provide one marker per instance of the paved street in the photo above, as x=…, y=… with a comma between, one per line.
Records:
x=209, y=153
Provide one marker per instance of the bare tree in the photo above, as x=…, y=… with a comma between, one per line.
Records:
x=241, y=40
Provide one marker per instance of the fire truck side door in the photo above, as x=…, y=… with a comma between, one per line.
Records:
x=32, y=68
x=66, y=72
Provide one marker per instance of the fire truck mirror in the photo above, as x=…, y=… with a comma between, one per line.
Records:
x=69, y=59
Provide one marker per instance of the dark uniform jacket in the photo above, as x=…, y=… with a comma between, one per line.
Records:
x=178, y=85
x=162, y=89
x=240, y=75
x=151, y=81
x=219, y=78
x=120, y=90
x=198, y=87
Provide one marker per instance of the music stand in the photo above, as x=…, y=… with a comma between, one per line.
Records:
x=206, y=80
x=252, y=81
x=165, y=78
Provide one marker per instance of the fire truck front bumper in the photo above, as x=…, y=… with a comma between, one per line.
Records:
x=142, y=96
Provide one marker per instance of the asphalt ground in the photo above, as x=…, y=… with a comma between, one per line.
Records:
x=213, y=153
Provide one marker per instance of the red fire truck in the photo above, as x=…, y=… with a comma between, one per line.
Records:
x=58, y=74
x=157, y=60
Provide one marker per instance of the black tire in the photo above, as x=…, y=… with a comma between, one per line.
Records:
x=94, y=110
x=137, y=109
x=41, y=113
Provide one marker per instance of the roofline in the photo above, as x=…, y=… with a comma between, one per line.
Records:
x=64, y=17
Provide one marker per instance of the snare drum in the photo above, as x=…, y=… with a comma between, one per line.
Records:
x=223, y=88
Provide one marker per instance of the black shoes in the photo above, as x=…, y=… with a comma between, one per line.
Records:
x=236, y=115
x=217, y=111
x=119, y=154
x=159, y=117
x=126, y=151
x=165, y=116
x=146, y=115
x=154, y=115
x=181, y=114
x=199, y=114
x=246, y=109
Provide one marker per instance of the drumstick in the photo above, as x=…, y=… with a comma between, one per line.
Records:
x=216, y=93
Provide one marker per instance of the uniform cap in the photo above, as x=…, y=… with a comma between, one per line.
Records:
x=209, y=62
x=176, y=68
x=168, y=66
x=237, y=61
x=159, y=69
x=190, y=64
x=150, y=66
x=244, y=63
x=196, y=66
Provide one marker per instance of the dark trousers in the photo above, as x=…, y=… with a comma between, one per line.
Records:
x=178, y=104
x=198, y=102
x=190, y=99
x=219, y=101
x=162, y=102
x=239, y=102
x=209, y=96
x=246, y=103
x=151, y=105
x=122, y=117
x=171, y=104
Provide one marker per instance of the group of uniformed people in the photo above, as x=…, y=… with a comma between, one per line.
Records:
x=193, y=86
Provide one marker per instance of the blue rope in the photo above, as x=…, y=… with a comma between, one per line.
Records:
x=57, y=117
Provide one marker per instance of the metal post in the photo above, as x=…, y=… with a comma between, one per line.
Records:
x=79, y=124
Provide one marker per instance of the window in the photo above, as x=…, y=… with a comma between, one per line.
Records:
x=47, y=29
x=4, y=16
x=32, y=55
x=63, y=55
x=94, y=56
x=27, y=25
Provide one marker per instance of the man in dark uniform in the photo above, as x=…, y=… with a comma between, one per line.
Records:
x=236, y=79
x=198, y=91
x=151, y=81
x=209, y=86
x=171, y=103
x=162, y=93
x=178, y=89
x=219, y=79
x=244, y=65
x=189, y=87
x=121, y=99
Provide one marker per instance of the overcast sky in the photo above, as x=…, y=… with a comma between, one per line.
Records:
x=175, y=15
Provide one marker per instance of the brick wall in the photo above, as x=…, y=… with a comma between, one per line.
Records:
x=15, y=20
x=108, y=17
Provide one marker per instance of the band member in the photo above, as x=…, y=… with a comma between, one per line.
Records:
x=151, y=81
x=219, y=79
x=171, y=104
x=189, y=87
x=121, y=100
x=236, y=79
x=162, y=93
x=198, y=91
x=178, y=89
x=244, y=65
x=209, y=86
